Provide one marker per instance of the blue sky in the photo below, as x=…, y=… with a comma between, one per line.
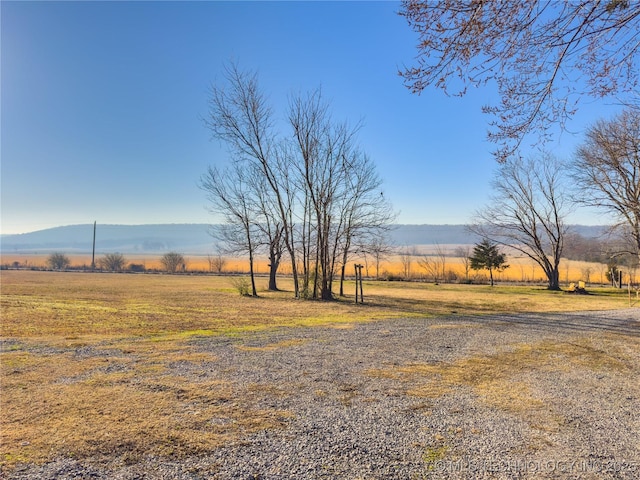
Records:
x=102, y=106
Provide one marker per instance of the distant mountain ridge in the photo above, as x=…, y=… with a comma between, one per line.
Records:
x=195, y=238
x=187, y=238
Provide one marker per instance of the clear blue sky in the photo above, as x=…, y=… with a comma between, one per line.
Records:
x=102, y=105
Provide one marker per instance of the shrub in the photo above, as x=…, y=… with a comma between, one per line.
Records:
x=242, y=285
x=391, y=277
x=58, y=261
x=172, y=262
x=216, y=263
x=114, y=262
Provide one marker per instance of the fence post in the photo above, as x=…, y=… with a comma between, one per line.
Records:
x=358, y=270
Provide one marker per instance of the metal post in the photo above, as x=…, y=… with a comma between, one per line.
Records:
x=355, y=266
x=358, y=270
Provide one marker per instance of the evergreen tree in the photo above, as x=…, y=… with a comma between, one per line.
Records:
x=487, y=255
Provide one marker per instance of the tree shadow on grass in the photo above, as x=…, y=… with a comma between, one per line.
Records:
x=622, y=322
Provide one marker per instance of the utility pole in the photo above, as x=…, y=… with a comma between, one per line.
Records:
x=93, y=252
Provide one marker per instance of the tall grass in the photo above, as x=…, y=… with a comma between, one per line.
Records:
x=521, y=270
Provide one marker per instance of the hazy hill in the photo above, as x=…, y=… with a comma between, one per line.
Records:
x=195, y=238
x=187, y=238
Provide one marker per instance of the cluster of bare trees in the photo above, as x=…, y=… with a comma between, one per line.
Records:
x=435, y=265
x=533, y=197
x=312, y=196
x=543, y=56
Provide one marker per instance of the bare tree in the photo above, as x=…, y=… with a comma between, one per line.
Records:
x=435, y=264
x=58, y=261
x=441, y=254
x=542, y=54
x=216, y=261
x=269, y=225
x=431, y=265
x=219, y=263
x=366, y=212
x=241, y=116
x=528, y=211
x=406, y=258
x=607, y=171
x=379, y=247
x=114, y=262
x=325, y=149
x=230, y=195
x=172, y=261
x=464, y=253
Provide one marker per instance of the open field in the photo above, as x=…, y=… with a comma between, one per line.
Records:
x=83, y=305
x=520, y=270
x=111, y=375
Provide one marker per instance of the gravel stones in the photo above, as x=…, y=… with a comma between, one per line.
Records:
x=352, y=416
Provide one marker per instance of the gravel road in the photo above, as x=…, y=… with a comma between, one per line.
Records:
x=359, y=408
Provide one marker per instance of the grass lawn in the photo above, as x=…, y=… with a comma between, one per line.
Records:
x=88, y=356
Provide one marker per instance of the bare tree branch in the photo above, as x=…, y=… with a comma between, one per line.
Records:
x=528, y=211
x=541, y=55
x=606, y=170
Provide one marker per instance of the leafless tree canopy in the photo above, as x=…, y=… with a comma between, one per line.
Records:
x=607, y=171
x=378, y=246
x=240, y=116
x=435, y=265
x=58, y=261
x=464, y=253
x=312, y=191
x=528, y=210
x=542, y=55
x=230, y=193
x=340, y=188
x=114, y=262
x=406, y=258
x=172, y=261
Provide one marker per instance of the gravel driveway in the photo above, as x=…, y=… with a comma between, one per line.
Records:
x=560, y=398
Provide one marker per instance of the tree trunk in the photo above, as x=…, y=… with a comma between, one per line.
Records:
x=554, y=279
x=325, y=293
x=342, y=275
x=254, y=292
x=274, y=262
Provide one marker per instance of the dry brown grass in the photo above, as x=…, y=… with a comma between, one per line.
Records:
x=83, y=305
x=87, y=366
x=428, y=299
x=520, y=270
x=123, y=400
